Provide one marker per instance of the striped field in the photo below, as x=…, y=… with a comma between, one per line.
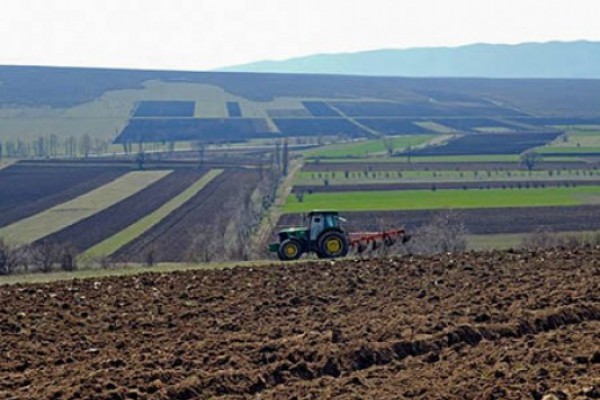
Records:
x=56, y=218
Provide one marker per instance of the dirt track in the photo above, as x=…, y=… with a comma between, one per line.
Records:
x=473, y=326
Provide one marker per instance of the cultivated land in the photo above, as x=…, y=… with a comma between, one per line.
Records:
x=477, y=221
x=198, y=229
x=443, y=199
x=129, y=234
x=508, y=325
x=369, y=147
x=456, y=141
x=101, y=226
x=392, y=176
x=28, y=190
x=56, y=218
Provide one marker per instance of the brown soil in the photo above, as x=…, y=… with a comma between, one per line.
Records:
x=100, y=226
x=26, y=190
x=480, y=221
x=473, y=326
x=203, y=217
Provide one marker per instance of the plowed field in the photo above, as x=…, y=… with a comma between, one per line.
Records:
x=478, y=221
x=473, y=326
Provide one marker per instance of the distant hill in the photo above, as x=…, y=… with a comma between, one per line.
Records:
x=579, y=59
x=104, y=103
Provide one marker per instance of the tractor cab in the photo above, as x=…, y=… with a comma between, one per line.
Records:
x=319, y=221
x=321, y=234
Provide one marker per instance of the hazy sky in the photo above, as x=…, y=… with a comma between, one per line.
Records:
x=205, y=34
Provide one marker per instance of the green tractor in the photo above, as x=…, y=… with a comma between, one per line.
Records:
x=321, y=235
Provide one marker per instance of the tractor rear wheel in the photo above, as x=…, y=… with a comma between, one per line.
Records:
x=289, y=249
x=332, y=244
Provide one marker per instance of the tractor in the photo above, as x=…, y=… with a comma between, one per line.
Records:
x=323, y=235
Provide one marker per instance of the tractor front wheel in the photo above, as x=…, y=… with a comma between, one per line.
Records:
x=332, y=244
x=289, y=249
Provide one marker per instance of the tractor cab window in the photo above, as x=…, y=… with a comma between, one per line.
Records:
x=332, y=221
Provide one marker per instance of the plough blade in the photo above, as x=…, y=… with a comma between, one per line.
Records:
x=361, y=241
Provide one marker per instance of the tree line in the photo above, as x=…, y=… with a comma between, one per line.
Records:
x=53, y=146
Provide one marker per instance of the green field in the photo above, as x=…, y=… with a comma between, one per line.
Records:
x=366, y=148
x=577, y=140
x=440, y=199
x=127, y=235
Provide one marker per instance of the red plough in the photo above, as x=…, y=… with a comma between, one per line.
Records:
x=360, y=241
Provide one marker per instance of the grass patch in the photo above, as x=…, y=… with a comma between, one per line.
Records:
x=441, y=199
x=567, y=150
x=127, y=235
x=56, y=218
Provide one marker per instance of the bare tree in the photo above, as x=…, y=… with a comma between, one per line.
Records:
x=408, y=153
x=45, y=255
x=200, y=147
x=446, y=233
x=285, y=158
x=389, y=145
x=141, y=159
x=67, y=257
x=85, y=145
x=70, y=146
x=41, y=150
x=529, y=159
x=7, y=258
x=53, y=145
x=541, y=238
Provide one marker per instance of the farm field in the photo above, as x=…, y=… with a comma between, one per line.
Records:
x=369, y=147
x=578, y=140
x=488, y=143
x=28, y=190
x=133, y=231
x=442, y=199
x=392, y=176
x=515, y=240
x=477, y=221
x=466, y=163
x=462, y=159
x=198, y=226
x=112, y=104
x=443, y=185
x=499, y=325
x=58, y=217
x=102, y=225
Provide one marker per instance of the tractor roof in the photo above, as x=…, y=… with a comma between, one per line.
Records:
x=312, y=212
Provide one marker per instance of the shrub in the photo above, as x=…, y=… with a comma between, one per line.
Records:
x=445, y=233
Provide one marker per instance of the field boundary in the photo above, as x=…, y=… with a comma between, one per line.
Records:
x=129, y=234
x=6, y=164
x=54, y=219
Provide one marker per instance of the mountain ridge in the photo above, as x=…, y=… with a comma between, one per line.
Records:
x=547, y=60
